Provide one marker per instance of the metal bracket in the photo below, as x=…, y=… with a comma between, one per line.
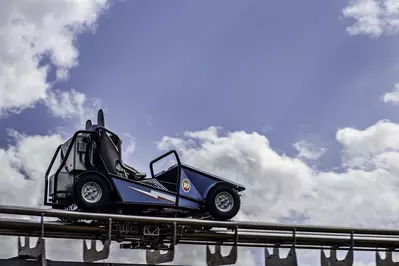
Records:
x=333, y=261
x=151, y=231
x=38, y=252
x=216, y=259
x=275, y=260
x=388, y=261
x=156, y=257
x=91, y=254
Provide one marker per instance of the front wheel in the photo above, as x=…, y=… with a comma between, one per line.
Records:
x=223, y=203
x=91, y=191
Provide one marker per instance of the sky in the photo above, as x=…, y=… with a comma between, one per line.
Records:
x=296, y=100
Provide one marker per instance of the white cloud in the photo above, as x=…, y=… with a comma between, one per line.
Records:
x=72, y=104
x=24, y=164
x=373, y=17
x=279, y=186
x=288, y=185
x=29, y=31
x=129, y=147
x=278, y=181
x=308, y=151
x=372, y=148
x=393, y=96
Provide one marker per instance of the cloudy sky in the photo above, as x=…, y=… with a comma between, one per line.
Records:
x=298, y=101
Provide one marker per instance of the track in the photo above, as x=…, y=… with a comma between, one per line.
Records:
x=170, y=232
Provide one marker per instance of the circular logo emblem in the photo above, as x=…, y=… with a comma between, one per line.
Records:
x=186, y=185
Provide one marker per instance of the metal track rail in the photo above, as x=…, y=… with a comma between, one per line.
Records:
x=18, y=210
x=259, y=239
x=235, y=234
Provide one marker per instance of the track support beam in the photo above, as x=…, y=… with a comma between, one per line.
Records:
x=38, y=252
x=275, y=260
x=333, y=261
x=388, y=261
x=216, y=259
x=91, y=254
x=156, y=257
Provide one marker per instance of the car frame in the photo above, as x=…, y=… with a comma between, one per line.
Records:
x=93, y=177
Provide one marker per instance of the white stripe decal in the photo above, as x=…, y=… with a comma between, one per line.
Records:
x=155, y=194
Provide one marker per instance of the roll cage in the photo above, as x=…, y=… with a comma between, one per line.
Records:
x=91, y=161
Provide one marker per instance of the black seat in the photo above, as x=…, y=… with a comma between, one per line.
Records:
x=108, y=153
x=108, y=148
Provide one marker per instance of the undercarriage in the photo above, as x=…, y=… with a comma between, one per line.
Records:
x=155, y=212
x=139, y=236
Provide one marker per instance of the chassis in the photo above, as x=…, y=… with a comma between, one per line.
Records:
x=93, y=177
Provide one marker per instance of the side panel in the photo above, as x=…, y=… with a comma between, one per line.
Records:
x=187, y=188
x=188, y=204
x=213, y=176
x=75, y=160
x=201, y=182
x=135, y=193
x=64, y=184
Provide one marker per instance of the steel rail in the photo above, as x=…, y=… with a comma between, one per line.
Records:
x=18, y=210
x=19, y=227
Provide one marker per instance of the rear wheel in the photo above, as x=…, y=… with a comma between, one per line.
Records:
x=91, y=191
x=223, y=202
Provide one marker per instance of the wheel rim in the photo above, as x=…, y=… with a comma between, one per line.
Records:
x=91, y=192
x=224, y=201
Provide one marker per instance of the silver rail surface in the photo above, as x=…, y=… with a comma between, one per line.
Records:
x=233, y=233
x=18, y=210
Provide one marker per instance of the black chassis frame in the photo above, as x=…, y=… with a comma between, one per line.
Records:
x=109, y=176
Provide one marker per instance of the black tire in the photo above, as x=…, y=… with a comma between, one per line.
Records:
x=216, y=212
x=98, y=182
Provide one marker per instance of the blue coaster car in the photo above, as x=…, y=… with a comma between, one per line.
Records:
x=92, y=177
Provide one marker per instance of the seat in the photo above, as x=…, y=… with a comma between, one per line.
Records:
x=108, y=148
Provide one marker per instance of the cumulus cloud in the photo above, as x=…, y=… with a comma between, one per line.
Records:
x=392, y=96
x=282, y=187
x=72, y=104
x=23, y=164
x=372, y=148
x=129, y=147
x=372, y=17
x=288, y=185
x=31, y=32
x=308, y=151
x=276, y=181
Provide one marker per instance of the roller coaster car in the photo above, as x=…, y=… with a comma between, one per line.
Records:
x=93, y=178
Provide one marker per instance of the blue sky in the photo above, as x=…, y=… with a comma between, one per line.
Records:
x=251, y=65
x=313, y=72
x=161, y=68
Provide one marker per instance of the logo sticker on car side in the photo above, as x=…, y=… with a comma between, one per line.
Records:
x=186, y=185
